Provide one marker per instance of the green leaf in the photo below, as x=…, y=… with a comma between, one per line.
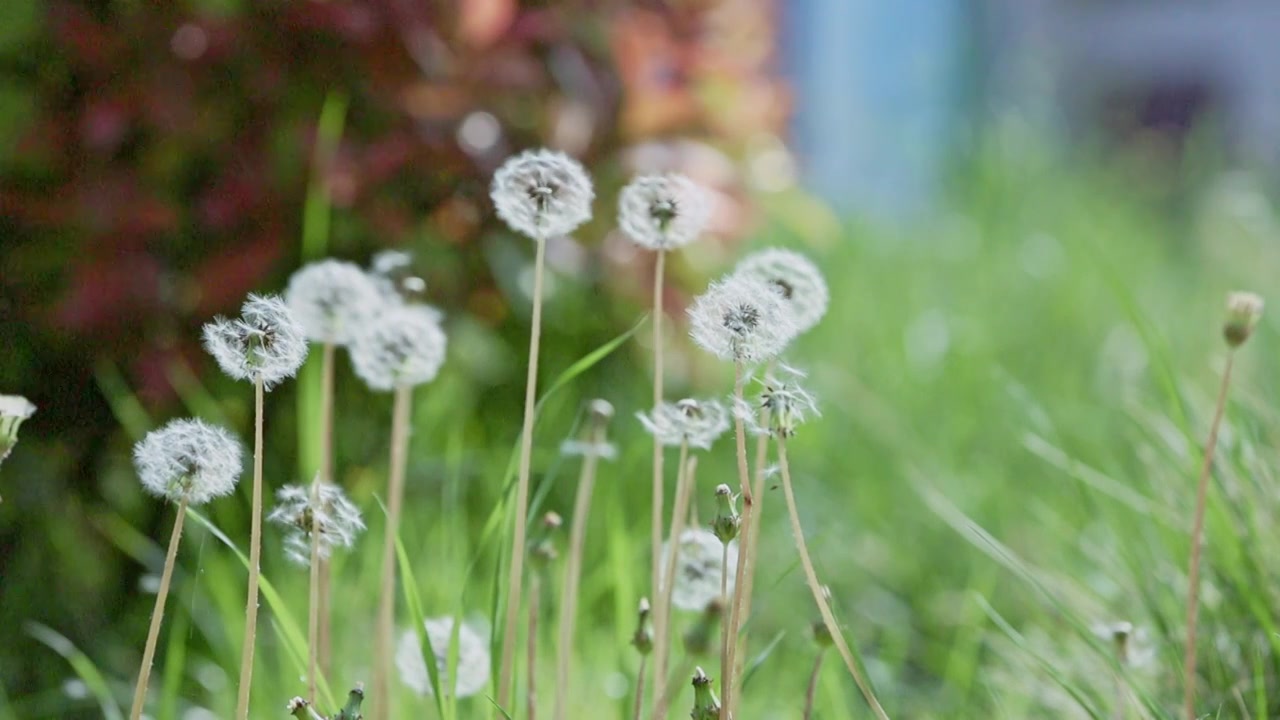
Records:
x=83, y=666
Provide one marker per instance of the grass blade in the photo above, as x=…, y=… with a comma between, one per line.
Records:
x=83, y=666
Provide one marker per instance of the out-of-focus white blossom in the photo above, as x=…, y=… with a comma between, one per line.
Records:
x=403, y=346
x=699, y=563
x=697, y=422
x=663, y=212
x=336, y=520
x=332, y=299
x=473, y=658
x=799, y=282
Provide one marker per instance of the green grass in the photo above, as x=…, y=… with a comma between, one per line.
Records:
x=1013, y=398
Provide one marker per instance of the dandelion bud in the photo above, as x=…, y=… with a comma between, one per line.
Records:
x=727, y=522
x=324, y=507
x=601, y=410
x=473, y=658
x=795, y=278
x=593, y=442
x=706, y=706
x=643, y=637
x=542, y=194
x=663, y=212
x=331, y=300
x=355, y=699
x=542, y=547
x=697, y=422
x=1244, y=309
x=702, y=636
x=403, y=346
x=265, y=343
x=699, y=566
x=14, y=409
x=741, y=319
x=188, y=459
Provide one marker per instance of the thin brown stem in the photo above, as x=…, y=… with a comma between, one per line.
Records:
x=726, y=658
x=735, y=615
x=639, y=704
x=662, y=608
x=812, y=691
x=323, y=638
x=1197, y=531
x=255, y=560
x=573, y=573
x=313, y=598
x=383, y=651
x=515, y=577
x=531, y=657
x=157, y=614
x=656, y=531
x=762, y=455
x=815, y=587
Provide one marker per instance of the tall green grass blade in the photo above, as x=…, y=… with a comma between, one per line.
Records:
x=83, y=667
x=409, y=588
x=123, y=402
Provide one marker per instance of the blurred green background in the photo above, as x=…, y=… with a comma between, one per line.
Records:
x=1028, y=235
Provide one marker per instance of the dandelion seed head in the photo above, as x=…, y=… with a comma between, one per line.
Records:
x=336, y=520
x=332, y=299
x=403, y=346
x=265, y=342
x=697, y=422
x=473, y=658
x=663, y=212
x=793, y=276
x=188, y=459
x=542, y=194
x=698, y=568
x=742, y=319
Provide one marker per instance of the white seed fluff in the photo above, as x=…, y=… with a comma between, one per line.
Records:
x=403, y=346
x=542, y=194
x=663, y=212
x=699, y=564
x=266, y=341
x=337, y=520
x=16, y=407
x=473, y=658
x=188, y=458
x=795, y=278
x=697, y=422
x=331, y=299
x=741, y=318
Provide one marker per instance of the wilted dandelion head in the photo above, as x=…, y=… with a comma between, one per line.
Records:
x=663, y=212
x=336, y=520
x=788, y=403
x=188, y=459
x=331, y=299
x=741, y=318
x=794, y=277
x=697, y=422
x=542, y=194
x=265, y=342
x=473, y=658
x=403, y=346
x=698, y=568
x=1244, y=309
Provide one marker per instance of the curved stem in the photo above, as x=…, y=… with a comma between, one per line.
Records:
x=815, y=587
x=1197, y=531
x=735, y=614
x=323, y=638
x=656, y=533
x=573, y=572
x=515, y=577
x=157, y=615
x=255, y=560
x=383, y=649
x=812, y=691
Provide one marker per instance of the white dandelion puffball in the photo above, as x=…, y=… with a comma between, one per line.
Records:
x=331, y=299
x=403, y=346
x=542, y=194
x=741, y=318
x=188, y=459
x=697, y=422
x=663, y=212
x=473, y=658
x=795, y=277
x=336, y=520
x=699, y=564
x=265, y=342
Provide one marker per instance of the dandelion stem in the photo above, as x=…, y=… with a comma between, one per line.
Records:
x=157, y=615
x=828, y=618
x=735, y=616
x=1197, y=531
x=656, y=534
x=573, y=572
x=383, y=651
x=516, y=576
x=726, y=658
x=639, y=704
x=255, y=559
x=762, y=456
x=323, y=639
x=662, y=643
x=535, y=602
x=812, y=692
x=313, y=599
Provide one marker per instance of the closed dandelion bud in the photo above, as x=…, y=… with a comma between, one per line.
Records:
x=702, y=636
x=265, y=343
x=332, y=299
x=14, y=409
x=404, y=346
x=727, y=522
x=643, y=637
x=1244, y=309
x=325, y=507
x=663, y=212
x=542, y=194
x=706, y=706
x=188, y=460
x=795, y=278
x=473, y=658
x=741, y=319
x=696, y=422
x=355, y=698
